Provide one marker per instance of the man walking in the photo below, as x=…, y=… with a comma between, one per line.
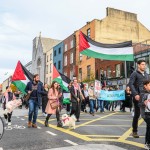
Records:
x=35, y=89
x=136, y=84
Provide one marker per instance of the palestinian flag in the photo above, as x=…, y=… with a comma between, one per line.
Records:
x=61, y=79
x=21, y=77
x=120, y=51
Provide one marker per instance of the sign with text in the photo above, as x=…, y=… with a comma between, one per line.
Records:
x=112, y=95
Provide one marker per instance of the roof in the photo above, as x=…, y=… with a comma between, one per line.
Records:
x=48, y=43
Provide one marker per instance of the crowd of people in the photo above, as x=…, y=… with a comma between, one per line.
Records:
x=86, y=100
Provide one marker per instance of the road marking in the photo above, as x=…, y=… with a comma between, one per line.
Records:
x=116, y=120
x=67, y=131
x=70, y=142
x=51, y=133
x=18, y=117
x=128, y=132
x=103, y=135
x=112, y=125
x=22, y=119
x=39, y=127
x=95, y=120
x=1, y=148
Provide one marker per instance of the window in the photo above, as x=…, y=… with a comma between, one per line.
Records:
x=55, y=64
x=50, y=68
x=71, y=44
x=55, y=53
x=108, y=72
x=71, y=58
x=59, y=50
x=59, y=64
x=118, y=70
x=71, y=74
x=65, y=60
x=47, y=69
x=88, y=57
x=80, y=74
x=47, y=80
x=47, y=58
x=66, y=47
x=89, y=32
x=50, y=80
x=65, y=73
x=80, y=57
x=88, y=72
x=50, y=56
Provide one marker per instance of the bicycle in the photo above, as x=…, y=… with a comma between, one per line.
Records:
x=1, y=127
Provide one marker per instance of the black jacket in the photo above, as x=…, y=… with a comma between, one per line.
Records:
x=136, y=82
x=37, y=93
x=73, y=96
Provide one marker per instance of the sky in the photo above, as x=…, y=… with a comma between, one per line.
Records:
x=22, y=20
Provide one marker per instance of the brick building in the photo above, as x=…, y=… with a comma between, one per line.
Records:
x=69, y=65
x=118, y=26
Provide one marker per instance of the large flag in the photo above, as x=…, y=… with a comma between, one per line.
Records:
x=61, y=79
x=120, y=51
x=20, y=77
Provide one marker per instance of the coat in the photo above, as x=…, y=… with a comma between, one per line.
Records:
x=51, y=98
x=73, y=96
x=136, y=82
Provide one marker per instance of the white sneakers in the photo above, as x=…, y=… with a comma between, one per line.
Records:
x=6, y=121
x=9, y=123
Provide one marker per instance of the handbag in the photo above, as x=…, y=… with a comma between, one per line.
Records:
x=54, y=104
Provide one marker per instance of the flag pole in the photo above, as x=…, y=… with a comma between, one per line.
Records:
x=125, y=71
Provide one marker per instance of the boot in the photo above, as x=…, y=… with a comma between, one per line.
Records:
x=29, y=124
x=59, y=124
x=34, y=125
x=135, y=135
x=46, y=123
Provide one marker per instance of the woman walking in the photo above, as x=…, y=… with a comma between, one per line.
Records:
x=53, y=105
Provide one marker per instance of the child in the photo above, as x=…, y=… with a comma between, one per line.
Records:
x=144, y=104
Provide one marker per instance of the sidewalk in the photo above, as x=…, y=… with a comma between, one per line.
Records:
x=90, y=147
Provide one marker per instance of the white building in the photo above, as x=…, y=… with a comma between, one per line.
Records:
x=41, y=46
x=28, y=66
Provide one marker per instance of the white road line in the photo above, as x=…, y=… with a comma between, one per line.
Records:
x=1, y=148
x=39, y=127
x=51, y=133
x=70, y=142
x=22, y=119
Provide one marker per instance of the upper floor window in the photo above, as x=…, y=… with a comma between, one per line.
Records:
x=89, y=32
x=66, y=47
x=55, y=53
x=59, y=50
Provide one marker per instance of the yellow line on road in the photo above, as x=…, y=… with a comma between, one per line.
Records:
x=116, y=120
x=102, y=135
x=110, y=125
x=128, y=132
x=95, y=120
x=133, y=143
x=67, y=131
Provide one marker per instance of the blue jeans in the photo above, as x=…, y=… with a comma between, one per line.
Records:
x=100, y=104
x=92, y=103
x=33, y=110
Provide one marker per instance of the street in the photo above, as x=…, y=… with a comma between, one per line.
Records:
x=104, y=130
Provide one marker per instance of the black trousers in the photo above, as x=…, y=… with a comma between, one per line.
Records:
x=136, y=116
x=57, y=115
x=8, y=116
x=76, y=108
x=147, y=135
x=68, y=107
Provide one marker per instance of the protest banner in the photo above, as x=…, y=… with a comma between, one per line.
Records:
x=112, y=95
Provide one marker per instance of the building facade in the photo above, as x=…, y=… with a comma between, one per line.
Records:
x=69, y=57
x=28, y=66
x=118, y=26
x=41, y=46
x=58, y=56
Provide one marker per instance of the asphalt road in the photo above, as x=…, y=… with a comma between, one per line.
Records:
x=109, y=130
